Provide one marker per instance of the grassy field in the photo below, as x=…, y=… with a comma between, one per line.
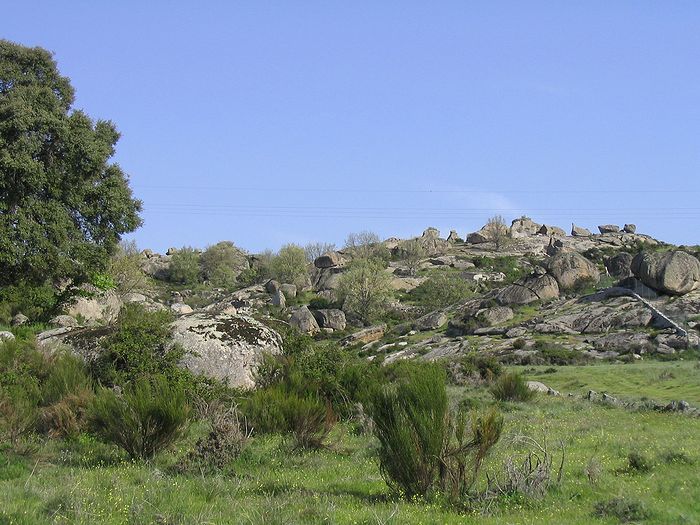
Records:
x=83, y=481
x=660, y=381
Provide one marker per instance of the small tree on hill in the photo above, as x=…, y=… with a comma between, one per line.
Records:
x=222, y=263
x=289, y=265
x=497, y=232
x=314, y=250
x=365, y=289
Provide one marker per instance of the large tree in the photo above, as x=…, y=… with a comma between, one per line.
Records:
x=63, y=204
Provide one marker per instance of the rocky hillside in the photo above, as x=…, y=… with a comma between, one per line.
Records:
x=530, y=293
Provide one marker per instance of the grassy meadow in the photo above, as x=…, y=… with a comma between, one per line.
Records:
x=85, y=481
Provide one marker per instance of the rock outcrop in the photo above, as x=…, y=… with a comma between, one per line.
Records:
x=538, y=286
x=571, y=269
x=674, y=272
x=303, y=320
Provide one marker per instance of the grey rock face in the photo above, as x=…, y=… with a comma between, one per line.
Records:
x=104, y=307
x=431, y=321
x=278, y=299
x=524, y=227
x=609, y=228
x=289, y=290
x=304, y=321
x=477, y=238
x=19, y=320
x=453, y=237
x=529, y=289
x=225, y=347
x=181, y=308
x=620, y=265
x=64, y=321
x=548, y=229
x=578, y=231
x=495, y=315
x=570, y=268
x=330, y=318
x=272, y=286
x=328, y=260
x=674, y=273
x=366, y=335
x=630, y=228
x=6, y=336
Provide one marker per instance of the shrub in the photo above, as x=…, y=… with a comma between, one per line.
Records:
x=674, y=457
x=18, y=413
x=365, y=289
x=289, y=265
x=519, y=343
x=487, y=367
x=412, y=252
x=222, y=263
x=150, y=416
x=409, y=422
x=125, y=268
x=38, y=302
x=511, y=387
x=228, y=435
x=184, y=266
x=366, y=245
x=441, y=289
x=625, y=510
x=276, y=410
x=139, y=346
x=638, y=462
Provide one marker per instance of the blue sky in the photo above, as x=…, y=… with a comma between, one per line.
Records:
x=273, y=122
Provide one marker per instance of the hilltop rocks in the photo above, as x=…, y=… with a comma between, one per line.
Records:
x=630, y=228
x=608, y=228
x=304, y=321
x=550, y=230
x=674, y=273
x=578, y=231
x=479, y=237
x=431, y=242
x=524, y=227
x=535, y=287
x=224, y=347
x=569, y=269
x=453, y=237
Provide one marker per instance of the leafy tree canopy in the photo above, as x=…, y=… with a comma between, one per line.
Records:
x=63, y=205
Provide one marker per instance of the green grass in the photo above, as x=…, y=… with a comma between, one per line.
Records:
x=87, y=482
x=660, y=381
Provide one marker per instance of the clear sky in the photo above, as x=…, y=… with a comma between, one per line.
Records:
x=297, y=121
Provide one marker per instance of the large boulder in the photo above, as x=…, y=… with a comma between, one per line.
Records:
x=225, y=347
x=535, y=287
x=479, y=237
x=629, y=228
x=100, y=307
x=64, y=321
x=431, y=321
x=578, y=231
x=674, y=272
x=330, y=318
x=453, y=237
x=366, y=335
x=431, y=242
x=19, y=320
x=609, y=228
x=495, y=315
x=548, y=229
x=570, y=269
x=329, y=260
x=216, y=344
x=524, y=227
x=6, y=336
x=304, y=321
x=289, y=290
x=619, y=265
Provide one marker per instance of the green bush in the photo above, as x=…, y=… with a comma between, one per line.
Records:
x=638, y=462
x=184, y=266
x=365, y=289
x=38, y=302
x=488, y=367
x=139, y=346
x=409, y=421
x=623, y=509
x=289, y=265
x=125, y=268
x=511, y=387
x=277, y=410
x=150, y=416
x=222, y=263
x=441, y=289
